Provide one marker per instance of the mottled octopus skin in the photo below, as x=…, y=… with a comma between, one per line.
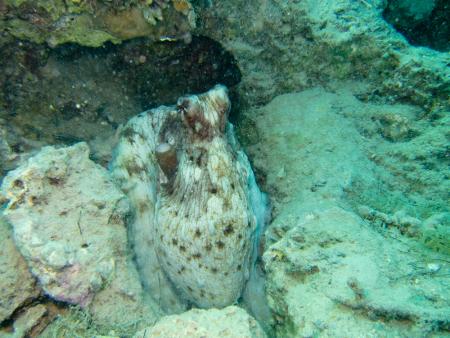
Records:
x=198, y=223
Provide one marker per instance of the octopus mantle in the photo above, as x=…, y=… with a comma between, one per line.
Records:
x=194, y=225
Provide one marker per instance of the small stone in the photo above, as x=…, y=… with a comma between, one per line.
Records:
x=433, y=267
x=142, y=58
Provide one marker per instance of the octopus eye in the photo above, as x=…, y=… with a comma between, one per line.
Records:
x=183, y=105
x=189, y=107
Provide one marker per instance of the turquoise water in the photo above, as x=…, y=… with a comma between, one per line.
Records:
x=307, y=196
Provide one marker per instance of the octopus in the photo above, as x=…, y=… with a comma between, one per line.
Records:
x=195, y=226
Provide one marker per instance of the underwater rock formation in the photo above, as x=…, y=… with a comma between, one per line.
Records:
x=284, y=46
x=229, y=322
x=94, y=22
x=47, y=95
x=194, y=198
x=422, y=22
x=330, y=272
x=68, y=220
x=17, y=285
x=62, y=218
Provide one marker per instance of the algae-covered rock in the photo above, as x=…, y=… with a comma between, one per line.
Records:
x=230, y=322
x=317, y=144
x=17, y=285
x=286, y=46
x=94, y=22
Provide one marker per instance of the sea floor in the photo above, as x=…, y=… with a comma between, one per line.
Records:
x=346, y=126
x=358, y=243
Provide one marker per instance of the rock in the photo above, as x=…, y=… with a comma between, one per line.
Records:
x=92, y=23
x=69, y=224
x=66, y=215
x=284, y=46
x=17, y=285
x=122, y=306
x=230, y=322
x=302, y=136
x=27, y=321
x=329, y=272
x=330, y=275
x=329, y=146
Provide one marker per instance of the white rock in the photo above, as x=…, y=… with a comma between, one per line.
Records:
x=230, y=322
x=65, y=214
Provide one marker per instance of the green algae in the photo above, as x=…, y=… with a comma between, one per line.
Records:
x=81, y=30
x=92, y=23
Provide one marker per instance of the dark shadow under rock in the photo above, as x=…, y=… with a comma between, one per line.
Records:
x=71, y=93
x=423, y=23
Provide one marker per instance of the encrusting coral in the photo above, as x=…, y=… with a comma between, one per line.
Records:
x=194, y=196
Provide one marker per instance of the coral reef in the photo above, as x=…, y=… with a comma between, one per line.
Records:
x=94, y=22
x=228, y=322
x=194, y=215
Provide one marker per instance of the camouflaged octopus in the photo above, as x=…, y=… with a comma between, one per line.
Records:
x=194, y=196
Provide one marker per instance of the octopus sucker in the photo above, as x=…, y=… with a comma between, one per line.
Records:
x=199, y=191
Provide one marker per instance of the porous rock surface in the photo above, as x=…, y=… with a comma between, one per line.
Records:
x=68, y=219
x=329, y=272
x=232, y=322
x=63, y=218
x=17, y=285
x=283, y=46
